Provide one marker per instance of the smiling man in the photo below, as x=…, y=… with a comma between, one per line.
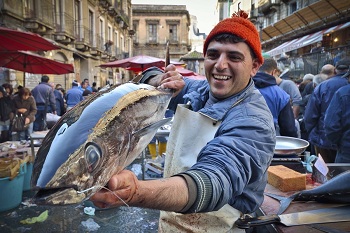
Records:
x=221, y=142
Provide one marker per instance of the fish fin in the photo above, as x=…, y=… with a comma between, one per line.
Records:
x=284, y=204
x=275, y=196
x=151, y=128
x=284, y=201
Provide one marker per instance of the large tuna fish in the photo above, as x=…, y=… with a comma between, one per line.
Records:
x=96, y=139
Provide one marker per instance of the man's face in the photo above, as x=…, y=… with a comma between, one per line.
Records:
x=228, y=68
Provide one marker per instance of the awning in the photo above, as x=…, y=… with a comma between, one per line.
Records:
x=305, y=40
x=307, y=18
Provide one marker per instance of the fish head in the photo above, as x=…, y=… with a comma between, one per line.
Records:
x=95, y=140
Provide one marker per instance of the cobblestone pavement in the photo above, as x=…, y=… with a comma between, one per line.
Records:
x=73, y=219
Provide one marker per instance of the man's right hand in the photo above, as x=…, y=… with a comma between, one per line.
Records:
x=122, y=188
x=171, y=79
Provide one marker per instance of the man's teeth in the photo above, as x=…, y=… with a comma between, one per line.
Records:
x=221, y=77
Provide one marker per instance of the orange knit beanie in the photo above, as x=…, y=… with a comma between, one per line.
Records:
x=240, y=26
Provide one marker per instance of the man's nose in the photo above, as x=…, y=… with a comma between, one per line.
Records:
x=222, y=62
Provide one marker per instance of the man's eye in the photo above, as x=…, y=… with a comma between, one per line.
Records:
x=212, y=55
x=236, y=58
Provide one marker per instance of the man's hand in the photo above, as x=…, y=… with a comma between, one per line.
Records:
x=171, y=79
x=123, y=187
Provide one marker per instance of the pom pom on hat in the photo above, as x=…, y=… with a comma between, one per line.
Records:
x=240, y=26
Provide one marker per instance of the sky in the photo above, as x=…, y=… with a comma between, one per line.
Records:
x=204, y=10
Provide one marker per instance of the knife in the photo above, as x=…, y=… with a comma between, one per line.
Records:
x=326, y=215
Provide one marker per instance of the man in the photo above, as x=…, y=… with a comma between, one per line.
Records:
x=276, y=98
x=337, y=123
x=74, y=95
x=293, y=91
x=59, y=99
x=328, y=70
x=318, y=48
x=45, y=102
x=88, y=87
x=227, y=173
x=316, y=109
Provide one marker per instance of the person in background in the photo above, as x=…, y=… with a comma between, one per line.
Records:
x=306, y=80
x=84, y=88
x=25, y=104
x=318, y=78
x=18, y=88
x=74, y=95
x=328, y=70
x=45, y=103
x=317, y=48
x=94, y=87
x=208, y=183
x=276, y=98
x=9, y=89
x=337, y=123
x=59, y=100
x=293, y=91
x=6, y=115
x=87, y=85
x=316, y=109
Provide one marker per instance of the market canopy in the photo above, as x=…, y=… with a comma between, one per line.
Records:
x=307, y=18
x=33, y=63
x=305, y=40
x=13, y=40
x=141, y=62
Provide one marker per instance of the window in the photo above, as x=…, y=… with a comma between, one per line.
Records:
x=102, y=34
x=152, y=33
x=77, y=18
x=91, y=27
x=173, y=33
x=136, y=35
x=293, y=6
x=59, y=15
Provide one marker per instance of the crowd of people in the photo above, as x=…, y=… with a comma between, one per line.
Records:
x=31, y=106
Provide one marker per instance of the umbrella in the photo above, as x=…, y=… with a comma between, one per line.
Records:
x=32, y=63
x=196, y=77
x=13, y=40
x=141, y=61
x=181, y=70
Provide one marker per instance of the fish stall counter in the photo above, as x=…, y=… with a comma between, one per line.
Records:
x=271, y=206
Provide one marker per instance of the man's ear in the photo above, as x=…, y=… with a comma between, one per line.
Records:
x=255, y=68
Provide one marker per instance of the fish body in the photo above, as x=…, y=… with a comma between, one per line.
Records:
x=336, y=190
x=95, y=140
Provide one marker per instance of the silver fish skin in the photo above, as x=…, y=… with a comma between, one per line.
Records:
x=95, y=140
x=336, y=190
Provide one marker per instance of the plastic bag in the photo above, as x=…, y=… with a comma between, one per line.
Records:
x=18, y=123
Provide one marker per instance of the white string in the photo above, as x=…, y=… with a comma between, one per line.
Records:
x=83, y=191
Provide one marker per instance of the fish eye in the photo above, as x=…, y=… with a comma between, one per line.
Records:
x=92, y=156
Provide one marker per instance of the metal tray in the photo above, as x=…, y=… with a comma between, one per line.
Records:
x=290, y=145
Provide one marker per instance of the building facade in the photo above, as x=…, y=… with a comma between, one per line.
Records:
x=88, y=32
x=155, y=25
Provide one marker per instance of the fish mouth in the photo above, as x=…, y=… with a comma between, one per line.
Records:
x=58, y=196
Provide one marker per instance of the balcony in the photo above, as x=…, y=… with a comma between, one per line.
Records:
x=39, y=20
x=105, y=3
x=64, y=28
x=268, y=6
x=84, y=38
